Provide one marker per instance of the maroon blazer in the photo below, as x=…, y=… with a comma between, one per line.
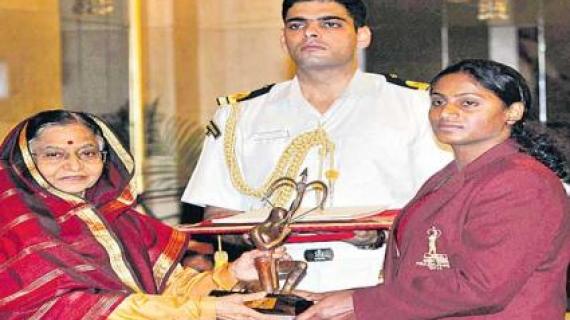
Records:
x=503, y=226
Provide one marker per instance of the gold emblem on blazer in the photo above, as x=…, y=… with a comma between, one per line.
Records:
x=433, y=260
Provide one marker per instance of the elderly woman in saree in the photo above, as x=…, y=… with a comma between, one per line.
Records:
x=73, y=247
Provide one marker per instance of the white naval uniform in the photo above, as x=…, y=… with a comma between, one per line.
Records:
x=384, y=151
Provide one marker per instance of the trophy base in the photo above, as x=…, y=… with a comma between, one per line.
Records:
x=285, y=305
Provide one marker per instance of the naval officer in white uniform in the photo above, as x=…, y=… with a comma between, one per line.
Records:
x=367, y=136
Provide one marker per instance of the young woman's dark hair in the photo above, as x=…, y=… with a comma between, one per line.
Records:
x=510, y=86
x=356, y=9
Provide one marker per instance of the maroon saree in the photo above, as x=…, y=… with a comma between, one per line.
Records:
x=63, y=256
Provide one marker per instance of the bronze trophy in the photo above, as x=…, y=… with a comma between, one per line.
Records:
x=273, y=232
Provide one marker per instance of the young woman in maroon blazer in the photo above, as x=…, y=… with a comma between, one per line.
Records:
x=487, y=237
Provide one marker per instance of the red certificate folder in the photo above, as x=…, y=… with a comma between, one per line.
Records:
x=304, y=231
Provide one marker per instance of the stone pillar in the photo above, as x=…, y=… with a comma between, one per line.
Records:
x=503, y=44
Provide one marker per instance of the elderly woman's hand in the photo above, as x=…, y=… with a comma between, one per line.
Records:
x=244, y=267
x=232, y=308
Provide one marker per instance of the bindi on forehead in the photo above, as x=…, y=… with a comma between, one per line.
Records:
x=69, y=142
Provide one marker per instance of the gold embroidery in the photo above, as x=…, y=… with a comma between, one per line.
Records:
x=167, y=257
x=28, y=250
x=50, y=276
x=418, y=85
x=432, y=259
x=126, y=196
x=232, y=98
x=44, y=309
x=117, y=146
x=101, y=307
x=288, y=165
x=19, y=219
x=8, y=193
x=73, y=212
x=80, y=246
x=114, y=250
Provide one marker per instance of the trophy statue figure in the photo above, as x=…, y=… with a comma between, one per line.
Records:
x=275, y=229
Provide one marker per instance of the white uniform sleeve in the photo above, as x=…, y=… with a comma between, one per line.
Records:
x=428, y=154
x=210, y=184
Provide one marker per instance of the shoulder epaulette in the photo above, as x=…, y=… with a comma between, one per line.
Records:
x=392, y=78
x=242, y=96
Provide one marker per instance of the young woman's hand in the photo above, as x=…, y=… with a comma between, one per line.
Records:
x=337, y=306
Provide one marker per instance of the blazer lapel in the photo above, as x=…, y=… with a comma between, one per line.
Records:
x=445, y=192
x=446, y=186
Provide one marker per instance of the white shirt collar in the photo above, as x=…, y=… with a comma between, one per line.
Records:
x=358, y=85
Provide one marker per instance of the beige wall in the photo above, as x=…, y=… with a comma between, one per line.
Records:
x=239, y=48
x=195, y=51
x=170, y=54
x=198, y=50
x=186, y=54
x=30, y=50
